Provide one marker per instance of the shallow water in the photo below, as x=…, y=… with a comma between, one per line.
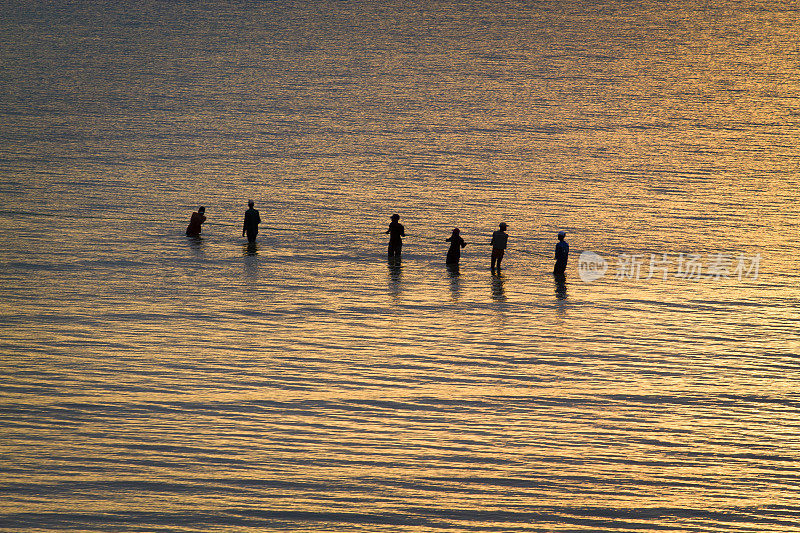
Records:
x=154, y=382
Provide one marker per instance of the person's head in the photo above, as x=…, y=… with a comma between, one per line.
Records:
x=250, y=203
x=201, y=209
x=456, y=231
x=395, y=217
x=561, y=235
x=503, y=226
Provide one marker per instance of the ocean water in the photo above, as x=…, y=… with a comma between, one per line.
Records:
x=152, y=382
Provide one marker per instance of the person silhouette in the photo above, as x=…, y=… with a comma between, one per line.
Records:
x=499, y=243
x=251, y=221
x=195, y=223
x=456, y=244
x=396, y=233
x=562, y=253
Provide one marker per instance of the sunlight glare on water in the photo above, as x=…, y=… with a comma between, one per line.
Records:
x=156, y=382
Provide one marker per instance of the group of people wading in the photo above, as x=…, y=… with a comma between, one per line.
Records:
x=396, y=233
x=252, y=219
x=499, y=244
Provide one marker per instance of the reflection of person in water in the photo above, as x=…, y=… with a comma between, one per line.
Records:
x=396, y=233
x=456, y=244
x=196, y=222
x=562, y=253
x=561, y=286
x=251, y=221
x=251, y=248
x=498, y=287
x=454, y=273
x=395, y=278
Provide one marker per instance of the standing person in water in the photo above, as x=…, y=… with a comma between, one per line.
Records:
x=196, y=222
x=251, y=221
x=456, y=244
x=396, y=233
x=499, y=243
x=562, y=253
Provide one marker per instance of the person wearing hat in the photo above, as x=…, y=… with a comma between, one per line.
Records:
x=396, y=233
x=562, y=252
x=251, y=221
x=196, y=222
x=499, y=243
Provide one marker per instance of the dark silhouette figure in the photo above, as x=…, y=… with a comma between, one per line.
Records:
x=196, y=222
x=396, y=233
x=562, y=253
x=251, y=221
x=456, y=244
x=499, y=243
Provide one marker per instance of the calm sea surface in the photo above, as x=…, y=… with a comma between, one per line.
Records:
x=151, y=382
